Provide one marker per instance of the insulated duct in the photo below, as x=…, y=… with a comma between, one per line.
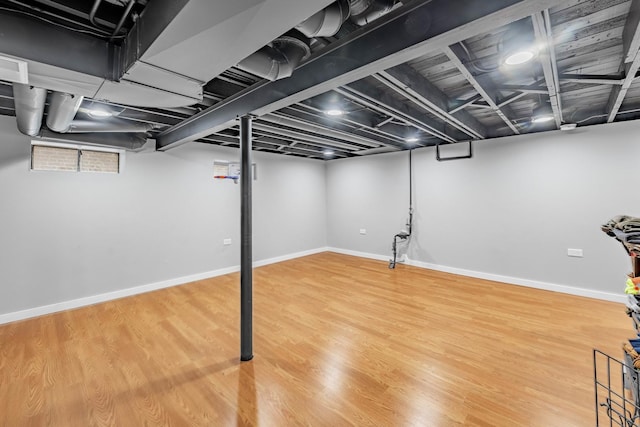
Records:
x=62, y=109
x=327, y=22
x=112, y=125
x=277, y=60
x=126, y=141
x=365, y=11
x=29, y=105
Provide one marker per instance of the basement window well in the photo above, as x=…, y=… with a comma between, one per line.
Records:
x=75, y=158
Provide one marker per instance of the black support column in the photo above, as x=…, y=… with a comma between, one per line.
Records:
x=246, y=257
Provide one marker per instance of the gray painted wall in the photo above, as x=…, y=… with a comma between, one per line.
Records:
x=512, y=210
x=67, y=236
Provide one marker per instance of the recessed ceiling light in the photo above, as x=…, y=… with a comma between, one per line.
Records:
x=412, y=139
x=334, y=112
x=520, y=57
x=542, y=114
x=100, y=114
x=542, y=119
x=329, y=153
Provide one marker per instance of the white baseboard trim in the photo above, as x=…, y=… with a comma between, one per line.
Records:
x=287, y=257
x=109, y=296
x=571, y=290
x=359, y=254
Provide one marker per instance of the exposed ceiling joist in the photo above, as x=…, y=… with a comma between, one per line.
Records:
x=456, y=55
x=512, y=98
x=359, y=130
x=369, y=95
x=535, y=88
x=408, y=82
x=279, y=118
x=630, y=63
x=630, y=33
x=399, y=37
x=302, y=135
x=544, y=37
x=461, y=105
x=591, y=79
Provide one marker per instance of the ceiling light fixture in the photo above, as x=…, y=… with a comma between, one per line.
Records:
x=412, y=139
x=520, y=57
x=329, y=153
x=100, y=114
x=518, y=45
x=542, y=114
x=334, y=112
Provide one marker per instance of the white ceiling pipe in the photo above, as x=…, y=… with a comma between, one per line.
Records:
x=62, y=109
x=29, y=105
x=327, y=22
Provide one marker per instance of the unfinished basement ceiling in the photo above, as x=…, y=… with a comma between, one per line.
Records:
x=407, y=74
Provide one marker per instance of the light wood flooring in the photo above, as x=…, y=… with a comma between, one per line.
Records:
x=338, y=341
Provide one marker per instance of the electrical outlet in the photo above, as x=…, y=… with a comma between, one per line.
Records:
x=226, y=242
x=363, y=231
x=575, y=253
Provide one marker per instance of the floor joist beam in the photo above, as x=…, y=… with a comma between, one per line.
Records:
x=631, y=62
x=481, y=84
x=397, y=40
x=544, y=37
x=409, y=83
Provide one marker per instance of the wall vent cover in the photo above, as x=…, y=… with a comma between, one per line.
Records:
x=13, y=70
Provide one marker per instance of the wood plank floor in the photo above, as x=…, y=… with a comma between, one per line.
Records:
x=338, y=341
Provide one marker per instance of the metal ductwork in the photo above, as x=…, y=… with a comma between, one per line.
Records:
x=62, y=109
x=112, y=125
x=277, y=60
x=327, y=22
x=365, y=11
x=29, y=106
x=126, y=141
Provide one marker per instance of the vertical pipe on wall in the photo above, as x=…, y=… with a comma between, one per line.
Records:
x=246, y=261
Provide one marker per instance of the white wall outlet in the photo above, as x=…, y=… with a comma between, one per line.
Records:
x=363, y=231
x=226, y=242
x=575, y=252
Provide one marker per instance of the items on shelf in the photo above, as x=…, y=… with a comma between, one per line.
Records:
x=632, y=353
x=633, y=286
x=620, y=407
x=626, y=230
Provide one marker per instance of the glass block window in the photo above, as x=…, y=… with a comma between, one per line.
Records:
x=45, y=158
x=99, y=161
x=74, y=159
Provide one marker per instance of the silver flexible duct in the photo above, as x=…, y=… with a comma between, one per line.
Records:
x=277, y=61
x=327, y=22
x=29, y=105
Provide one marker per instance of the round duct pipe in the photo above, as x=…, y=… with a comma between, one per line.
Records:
x=62, y=109
x=29, y=105
x=365, y=11
x=111, y=126
x=327, y=22
x=277, y=61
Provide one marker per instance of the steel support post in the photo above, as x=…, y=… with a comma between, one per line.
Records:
x=246, y=258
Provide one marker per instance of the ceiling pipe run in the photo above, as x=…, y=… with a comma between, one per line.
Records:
x=113, y=125
x=62, y=109
x=29, y=105
x=327, y=22
x=365, y=11
x=277, y=60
